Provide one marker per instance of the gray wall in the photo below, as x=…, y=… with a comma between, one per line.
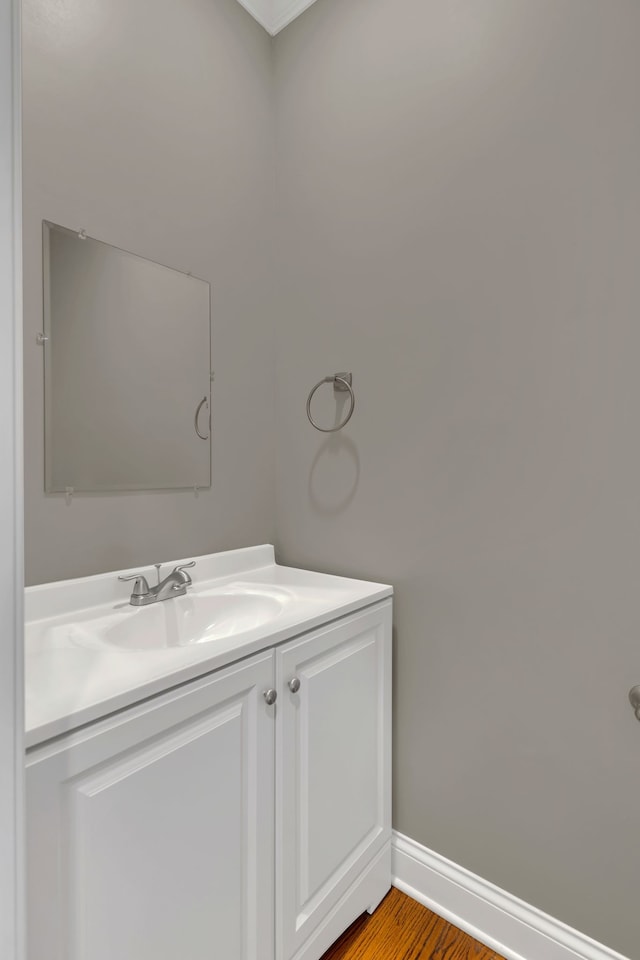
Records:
x=461, y=229
x=460, y=221
x=150, y=125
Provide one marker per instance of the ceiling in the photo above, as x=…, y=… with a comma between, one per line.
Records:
x=274, y=15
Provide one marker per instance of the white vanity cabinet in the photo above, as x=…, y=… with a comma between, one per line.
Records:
x=206, y=822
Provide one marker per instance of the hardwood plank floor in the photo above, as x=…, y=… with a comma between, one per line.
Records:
x=401, y=929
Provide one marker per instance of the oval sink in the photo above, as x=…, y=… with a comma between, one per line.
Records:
x=190, y=620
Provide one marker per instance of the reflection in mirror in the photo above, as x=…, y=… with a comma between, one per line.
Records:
x=127, y=369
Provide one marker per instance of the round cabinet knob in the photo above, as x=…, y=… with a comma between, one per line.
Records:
x=270, y=696
x=294, y=685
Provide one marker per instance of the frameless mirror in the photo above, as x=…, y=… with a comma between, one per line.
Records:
x=127, y=369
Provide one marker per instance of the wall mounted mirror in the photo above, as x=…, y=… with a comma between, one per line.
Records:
x=127, y=345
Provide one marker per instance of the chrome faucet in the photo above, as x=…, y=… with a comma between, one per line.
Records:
x=174, y=585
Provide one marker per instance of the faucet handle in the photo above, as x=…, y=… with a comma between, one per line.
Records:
x=140, y=587
x=185, y=576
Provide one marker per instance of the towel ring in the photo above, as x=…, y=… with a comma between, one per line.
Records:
x=341, y=383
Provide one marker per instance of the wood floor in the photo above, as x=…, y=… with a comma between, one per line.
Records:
x=401, y=929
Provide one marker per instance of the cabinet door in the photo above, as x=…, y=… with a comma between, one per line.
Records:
x=333, y=776
x=150, y=835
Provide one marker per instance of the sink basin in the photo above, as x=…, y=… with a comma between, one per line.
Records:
x=182, y=622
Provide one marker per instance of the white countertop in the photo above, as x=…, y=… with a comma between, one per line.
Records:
x=71, y=682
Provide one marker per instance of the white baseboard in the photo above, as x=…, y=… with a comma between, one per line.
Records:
x=514, y=929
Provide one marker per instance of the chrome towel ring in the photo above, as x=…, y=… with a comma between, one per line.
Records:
x=341, y=383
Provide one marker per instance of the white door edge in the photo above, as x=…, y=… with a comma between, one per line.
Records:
x=12, y=925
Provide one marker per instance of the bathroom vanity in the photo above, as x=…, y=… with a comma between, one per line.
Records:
x=207, y=777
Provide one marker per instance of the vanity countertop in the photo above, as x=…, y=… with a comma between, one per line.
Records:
x=84, y=658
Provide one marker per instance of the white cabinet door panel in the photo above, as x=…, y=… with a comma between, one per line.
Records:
x=333, y=776
x=349, y=676
x=159, y=844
